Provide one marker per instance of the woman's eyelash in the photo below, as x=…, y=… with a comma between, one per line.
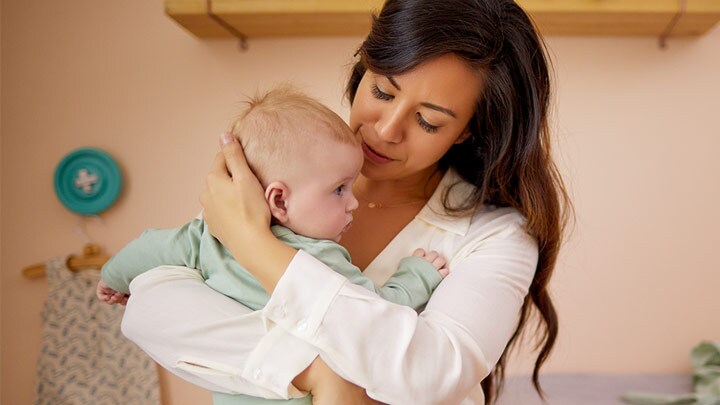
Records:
x=379, y=94
x=426, y=125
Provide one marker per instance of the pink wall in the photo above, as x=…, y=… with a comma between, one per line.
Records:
x=637, y=130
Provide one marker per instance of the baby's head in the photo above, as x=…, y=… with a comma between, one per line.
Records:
x=306, y=158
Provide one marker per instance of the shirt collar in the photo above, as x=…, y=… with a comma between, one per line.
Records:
x=434, y=212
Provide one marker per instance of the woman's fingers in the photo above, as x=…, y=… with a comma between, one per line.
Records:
x=233, y=200
x=234, y=156
x=218, y=172
x=219, y=167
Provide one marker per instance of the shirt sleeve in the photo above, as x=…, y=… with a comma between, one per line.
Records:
x=207, y=338
x=154, y=247
x=399, y=356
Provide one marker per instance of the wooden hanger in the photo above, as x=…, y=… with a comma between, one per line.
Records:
x=92, y=258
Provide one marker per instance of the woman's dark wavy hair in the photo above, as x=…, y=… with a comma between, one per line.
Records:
x=508, y=154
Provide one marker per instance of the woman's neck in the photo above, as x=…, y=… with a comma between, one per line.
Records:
x=398, y=191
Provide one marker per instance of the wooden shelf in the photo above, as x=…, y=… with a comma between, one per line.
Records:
x=277, y=18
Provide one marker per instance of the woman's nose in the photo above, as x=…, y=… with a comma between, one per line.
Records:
x=389, y=126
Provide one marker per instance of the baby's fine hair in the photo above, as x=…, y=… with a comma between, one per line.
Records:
x=273, y=124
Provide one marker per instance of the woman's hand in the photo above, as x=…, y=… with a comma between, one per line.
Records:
x=238, y=215
x=234, y=201
x=328, y=388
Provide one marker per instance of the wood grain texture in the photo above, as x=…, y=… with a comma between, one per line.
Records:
x=282, y=18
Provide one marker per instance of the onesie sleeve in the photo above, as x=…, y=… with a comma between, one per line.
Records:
x=411, y=285
x=438, y=356
x=154, y=247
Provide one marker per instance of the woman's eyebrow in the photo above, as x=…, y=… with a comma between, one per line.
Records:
x=428, y=105
x=441, y=109
x=393, y=82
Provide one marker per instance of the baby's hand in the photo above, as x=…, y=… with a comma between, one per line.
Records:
x=110, y=296
x=435, y=259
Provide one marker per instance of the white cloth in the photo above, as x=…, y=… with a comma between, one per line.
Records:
x=84, y=358
x=400, y=357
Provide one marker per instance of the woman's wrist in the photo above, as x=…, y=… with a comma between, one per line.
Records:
x=306, y=380
x=264, y=256
x=326, y=386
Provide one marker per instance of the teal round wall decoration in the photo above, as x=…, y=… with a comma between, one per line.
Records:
x=87, y=181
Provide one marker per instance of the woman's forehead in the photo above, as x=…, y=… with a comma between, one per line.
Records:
x=446, y=81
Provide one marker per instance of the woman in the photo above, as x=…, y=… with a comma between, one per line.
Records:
x=451, y=101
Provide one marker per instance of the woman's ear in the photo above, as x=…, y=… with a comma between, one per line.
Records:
x=465, y=135
x=276, y=195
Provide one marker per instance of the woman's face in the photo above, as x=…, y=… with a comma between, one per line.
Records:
x=408, y=122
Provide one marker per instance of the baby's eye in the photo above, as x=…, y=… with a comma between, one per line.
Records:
x=339, y=190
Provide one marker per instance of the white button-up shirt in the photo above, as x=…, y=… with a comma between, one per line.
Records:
x=437, y=357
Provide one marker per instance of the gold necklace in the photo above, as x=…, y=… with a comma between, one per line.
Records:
x=379, y=205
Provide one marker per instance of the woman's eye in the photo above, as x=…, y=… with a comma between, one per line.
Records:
x=379, y=94
x=426, y=125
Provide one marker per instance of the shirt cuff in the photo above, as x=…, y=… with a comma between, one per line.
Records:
x=302, y=296
x=292, y=317
x=277, y=360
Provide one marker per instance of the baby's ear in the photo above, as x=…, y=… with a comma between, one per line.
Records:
x=276, y=195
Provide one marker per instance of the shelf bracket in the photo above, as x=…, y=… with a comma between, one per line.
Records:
x=229, y=28
x=662, y=41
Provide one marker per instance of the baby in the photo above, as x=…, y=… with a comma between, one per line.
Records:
x=306, y=159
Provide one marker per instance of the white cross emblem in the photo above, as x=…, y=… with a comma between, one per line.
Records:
x=85, y=181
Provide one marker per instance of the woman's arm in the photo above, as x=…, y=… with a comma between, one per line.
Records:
x=207, y=339
x=398, y=356
x=202, y=335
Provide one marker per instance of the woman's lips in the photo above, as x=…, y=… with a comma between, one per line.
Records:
x=375, y=156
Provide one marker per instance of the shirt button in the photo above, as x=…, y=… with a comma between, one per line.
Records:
x=301, y=325
x=280, y=312
x=257, y=374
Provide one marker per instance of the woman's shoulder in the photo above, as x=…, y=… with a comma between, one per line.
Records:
x=486, y=219
x=497, y=221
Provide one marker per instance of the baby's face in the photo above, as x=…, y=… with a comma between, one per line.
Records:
x=321, y=201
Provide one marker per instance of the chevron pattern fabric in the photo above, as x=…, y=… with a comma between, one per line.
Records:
x=85, y=359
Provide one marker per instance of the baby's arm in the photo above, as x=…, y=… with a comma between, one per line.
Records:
x=411, y=285
x=155, y=247
x=416, y=278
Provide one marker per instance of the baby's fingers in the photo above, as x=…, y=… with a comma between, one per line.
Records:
x=439, y=262
x=117, y=298
x=436, y=259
